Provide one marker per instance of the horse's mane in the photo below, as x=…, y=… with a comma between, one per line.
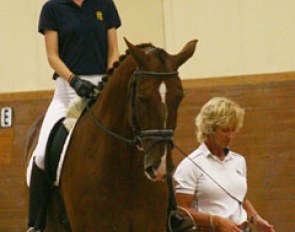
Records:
x=77, y=105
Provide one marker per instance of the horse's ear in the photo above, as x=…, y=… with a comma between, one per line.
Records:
x=140, y=57
x=186, y=53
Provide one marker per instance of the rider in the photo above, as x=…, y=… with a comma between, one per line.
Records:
x=81, y=43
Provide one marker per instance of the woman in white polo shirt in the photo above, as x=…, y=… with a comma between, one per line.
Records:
x=211, y=182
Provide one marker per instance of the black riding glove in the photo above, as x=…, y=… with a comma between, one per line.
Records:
x=82, y=87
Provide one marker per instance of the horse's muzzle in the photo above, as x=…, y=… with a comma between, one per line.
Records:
x=155, y=175
x=159, y=172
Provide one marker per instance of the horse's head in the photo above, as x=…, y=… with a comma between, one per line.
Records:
x=156, y=92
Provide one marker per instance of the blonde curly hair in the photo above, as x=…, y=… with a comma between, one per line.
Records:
x=221, y=112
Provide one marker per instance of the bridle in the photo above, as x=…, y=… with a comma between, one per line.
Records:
x=156, y=135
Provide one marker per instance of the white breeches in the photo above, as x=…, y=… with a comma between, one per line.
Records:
x=57, y=109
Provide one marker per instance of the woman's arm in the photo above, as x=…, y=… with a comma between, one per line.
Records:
x=202, y=219
x=82, y=87
x=51, y=43
x=185, y=201
x=113, y=49
x=251, y=212
x=255, y=219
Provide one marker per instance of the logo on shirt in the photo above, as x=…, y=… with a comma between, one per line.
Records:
x=99, y=15
x=239, y=172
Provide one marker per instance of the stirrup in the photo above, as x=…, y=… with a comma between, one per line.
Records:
x=181, y=223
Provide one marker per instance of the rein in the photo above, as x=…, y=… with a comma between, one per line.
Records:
x=107, y=131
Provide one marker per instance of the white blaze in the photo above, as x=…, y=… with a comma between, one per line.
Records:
x=163, y=91
x=162, y=168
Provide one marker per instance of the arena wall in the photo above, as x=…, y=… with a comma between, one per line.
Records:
x=266, y=141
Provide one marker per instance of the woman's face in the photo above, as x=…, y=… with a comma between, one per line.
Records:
x=223, y=137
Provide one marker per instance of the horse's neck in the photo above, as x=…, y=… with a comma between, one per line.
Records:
x=113, y=103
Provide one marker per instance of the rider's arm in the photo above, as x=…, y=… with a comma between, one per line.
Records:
x=113, y=50
x=51, y=42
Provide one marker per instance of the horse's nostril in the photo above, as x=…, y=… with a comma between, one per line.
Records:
x=150, y=171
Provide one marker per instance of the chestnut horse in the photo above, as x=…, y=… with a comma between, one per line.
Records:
x=120, y=150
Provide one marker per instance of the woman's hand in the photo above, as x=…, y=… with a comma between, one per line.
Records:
x=225, y=225
x=262, y=225
x=82, y=87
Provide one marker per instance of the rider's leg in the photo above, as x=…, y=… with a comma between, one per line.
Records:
x=39, y=197
x=39, y=185
x=63, y=94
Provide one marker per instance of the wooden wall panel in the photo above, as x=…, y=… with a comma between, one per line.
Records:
x=13, y=191
x=266, y=140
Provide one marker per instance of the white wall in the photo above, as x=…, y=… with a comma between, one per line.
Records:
x=23, y=62
x=142, y=22
x=236, y=37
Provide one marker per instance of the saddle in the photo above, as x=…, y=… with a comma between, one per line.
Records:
x=60, y=132
x=54, y=149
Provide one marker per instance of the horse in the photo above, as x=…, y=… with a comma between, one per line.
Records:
x=120, y=150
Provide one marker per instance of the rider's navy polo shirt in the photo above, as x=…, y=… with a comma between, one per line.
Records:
x=82, y=32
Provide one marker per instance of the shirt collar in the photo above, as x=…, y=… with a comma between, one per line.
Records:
x=204, y=149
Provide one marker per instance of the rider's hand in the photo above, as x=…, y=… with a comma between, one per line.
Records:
x=82, y=87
